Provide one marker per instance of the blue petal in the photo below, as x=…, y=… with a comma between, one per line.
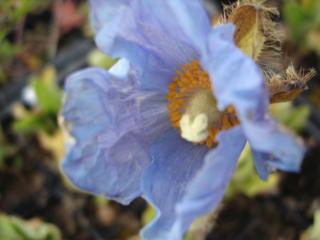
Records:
x=120, y=69
x=260, y=162
x=184, y=181
x=280, y=150
x=142, y=33
x=104, y=12
x=207, y=188
x=266, y=163
x=235, y=77
x=237, y=81
x=194, y=20
x=174, y=164
x=112, y=125
x=113, y=171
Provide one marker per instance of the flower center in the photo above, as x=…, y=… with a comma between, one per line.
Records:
x=193, y=109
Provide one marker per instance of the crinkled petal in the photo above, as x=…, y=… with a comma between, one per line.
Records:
x=120, y=69
x=235, y=77
x=141, y=32
x=280, y=150
x=186, y=181
x=260, y=162
x=113, y=171
x=266, y=163
x=194, y=20
x=237, y=81
x=174, y=164
x=104, y=12
x=207, y=189
x=109, y=120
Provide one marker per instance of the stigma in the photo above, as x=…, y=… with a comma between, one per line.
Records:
x=193, y=109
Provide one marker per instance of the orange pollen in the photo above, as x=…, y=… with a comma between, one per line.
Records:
x=189, y=81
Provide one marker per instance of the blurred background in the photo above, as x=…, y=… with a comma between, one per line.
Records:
x=41, y=42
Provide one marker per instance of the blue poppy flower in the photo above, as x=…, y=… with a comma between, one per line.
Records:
x=168, y=121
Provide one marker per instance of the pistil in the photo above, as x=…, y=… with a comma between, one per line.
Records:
x=193, y=108
x=201, y=114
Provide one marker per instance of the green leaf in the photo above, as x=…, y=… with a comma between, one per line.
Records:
x=17, y=9
x=13, y=228
x=296, y=19
x=7, y=151
x=292, y=117
x=34, y=122
x=303, y=20
x=148, y=215
x=7, y=51
x=48, y=94
x=99, y=59
x=313, y=232
x=3, y=153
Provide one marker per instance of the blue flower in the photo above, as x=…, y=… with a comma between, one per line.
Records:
x=168, y=121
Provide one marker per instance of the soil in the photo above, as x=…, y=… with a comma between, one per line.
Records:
x=32, y=186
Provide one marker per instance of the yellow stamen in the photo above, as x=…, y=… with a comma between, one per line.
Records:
x=192, y=106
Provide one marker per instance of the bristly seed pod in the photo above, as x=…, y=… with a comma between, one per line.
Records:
x=257, y=36
x=288, y=86
x=249, y=31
